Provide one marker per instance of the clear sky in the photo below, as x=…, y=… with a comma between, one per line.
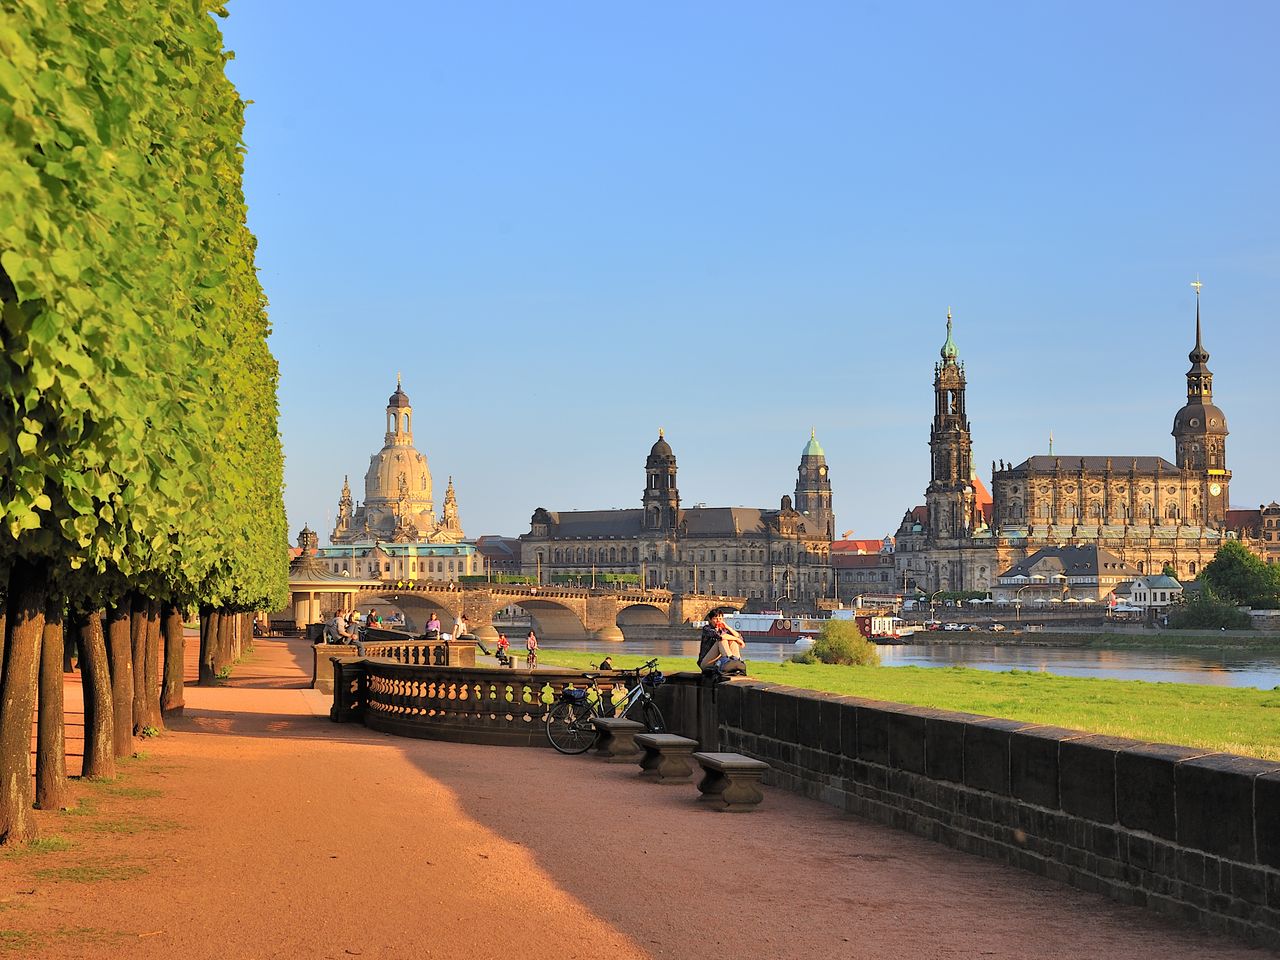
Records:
x=569, y=224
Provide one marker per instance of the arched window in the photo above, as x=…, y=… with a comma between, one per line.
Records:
x=1191, y=568
x=581, y=554
x=557, y=555
x=635, y=554
x=1044, y=511
x=613, y=554
x=1171, y=512
x=1142, y=567
x=1095, y=510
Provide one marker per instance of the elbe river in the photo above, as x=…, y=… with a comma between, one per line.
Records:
x=1222, y=668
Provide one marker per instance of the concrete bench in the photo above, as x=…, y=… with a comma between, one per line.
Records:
x=730, y=781
x=666, y=757
x=617, y=739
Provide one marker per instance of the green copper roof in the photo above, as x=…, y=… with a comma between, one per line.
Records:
x=813, y=448
x=949, y=349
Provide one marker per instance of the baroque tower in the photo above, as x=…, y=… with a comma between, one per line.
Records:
x=813, y=488
x=950, y=495
x=1200, y=435
x=661, y=498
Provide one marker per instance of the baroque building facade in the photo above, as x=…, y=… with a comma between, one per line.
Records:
x=1146, y=510
x=765, y=555
x=398, y=505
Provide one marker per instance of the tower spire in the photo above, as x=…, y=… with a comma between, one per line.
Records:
x=949, y=349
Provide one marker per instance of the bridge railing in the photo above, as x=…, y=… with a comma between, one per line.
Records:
x=461, y=704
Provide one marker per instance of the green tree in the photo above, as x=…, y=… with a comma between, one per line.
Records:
x=841, y=642
x=1204, y=611
x=1238, y=576
x=140, y=463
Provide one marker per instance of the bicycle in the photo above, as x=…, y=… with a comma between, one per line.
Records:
x=531, y=659
x=569, y=721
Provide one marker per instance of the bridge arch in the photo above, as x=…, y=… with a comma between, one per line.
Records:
x=416, y=607
x=552, y=620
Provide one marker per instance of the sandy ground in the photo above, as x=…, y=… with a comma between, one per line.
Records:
x=258, y=829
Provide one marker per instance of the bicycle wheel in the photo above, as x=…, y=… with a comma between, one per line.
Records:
x=651, y=717
x=569, y=727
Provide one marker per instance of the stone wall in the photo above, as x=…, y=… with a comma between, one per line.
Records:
x=1185, y=832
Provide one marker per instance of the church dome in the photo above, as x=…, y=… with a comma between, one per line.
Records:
x=399, y=399
x=398, y=468
x=1200, y=418
x=661, y=448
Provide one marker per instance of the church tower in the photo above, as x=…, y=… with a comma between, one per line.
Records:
x=950, y=495
x=813, y=488
x=661, y=498
x=1200, y=435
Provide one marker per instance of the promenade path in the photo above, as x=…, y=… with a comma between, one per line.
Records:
x=258, y=829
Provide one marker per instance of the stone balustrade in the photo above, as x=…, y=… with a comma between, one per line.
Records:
x=462, y=704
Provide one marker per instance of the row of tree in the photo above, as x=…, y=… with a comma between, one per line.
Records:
x=141, y=471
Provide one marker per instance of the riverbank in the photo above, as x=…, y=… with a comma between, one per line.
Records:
x=1060, y=637
x=1241, y=720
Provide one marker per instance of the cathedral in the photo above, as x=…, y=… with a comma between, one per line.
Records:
x=398, y=507
x=765, y=555
x=1148, y=511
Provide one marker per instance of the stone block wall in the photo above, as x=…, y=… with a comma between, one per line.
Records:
x=1188, y=833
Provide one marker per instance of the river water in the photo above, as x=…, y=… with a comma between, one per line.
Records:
x=1221, y=668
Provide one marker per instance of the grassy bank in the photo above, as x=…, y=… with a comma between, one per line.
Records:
x=1233, y=719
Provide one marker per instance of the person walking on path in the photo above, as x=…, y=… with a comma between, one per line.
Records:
x=531, y=645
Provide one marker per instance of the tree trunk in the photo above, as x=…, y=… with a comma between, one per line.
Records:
x=68, y=651
x=121, y=659
x=151, y=684
x=138, y=656
x=26, y=599
x=222, y=660
x=208, y=645
x=99, y=722
x=51, y=747
x=172, y=698
x=246, y=630
x=4, y=619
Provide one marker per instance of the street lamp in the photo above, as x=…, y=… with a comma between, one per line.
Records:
x=932, y=598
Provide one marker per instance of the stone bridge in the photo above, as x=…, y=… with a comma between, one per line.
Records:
x=559, y=613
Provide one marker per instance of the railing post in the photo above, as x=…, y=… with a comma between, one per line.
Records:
x=350, y=690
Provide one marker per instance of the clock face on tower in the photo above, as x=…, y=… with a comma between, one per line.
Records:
x=822, y=471
x=1215, y=488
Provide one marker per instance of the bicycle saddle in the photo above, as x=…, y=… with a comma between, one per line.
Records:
x=590, y=676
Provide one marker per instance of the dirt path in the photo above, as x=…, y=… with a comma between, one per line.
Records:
x=258, y=829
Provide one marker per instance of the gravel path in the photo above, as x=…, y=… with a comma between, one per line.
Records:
x=262, y=830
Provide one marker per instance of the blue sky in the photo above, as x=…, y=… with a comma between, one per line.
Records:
x=568, y=224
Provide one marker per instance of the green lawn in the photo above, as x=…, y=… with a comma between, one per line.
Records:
x=1233, y=719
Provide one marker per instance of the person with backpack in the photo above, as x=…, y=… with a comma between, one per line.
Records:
x=720, y=649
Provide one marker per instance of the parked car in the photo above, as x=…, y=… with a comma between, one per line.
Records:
x=996, y=628
x=933, y=624
x=951, y=626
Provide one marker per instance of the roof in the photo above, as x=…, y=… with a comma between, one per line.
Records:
x=813, y=448
x=982, y=496
x=722, y=521
x=1119, y=464
x=920, y=514
x=1249, y=520
x=596, y=523
x=859, y=561
x=856, y=546
x=1161, y=582
x=1081, y=561
x=498, y=548
x=661, y=448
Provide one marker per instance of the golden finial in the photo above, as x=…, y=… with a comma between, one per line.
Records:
x=659, y=433
x=948, y=312
x=813, y=433
x=1197, y=284
x=397, y=379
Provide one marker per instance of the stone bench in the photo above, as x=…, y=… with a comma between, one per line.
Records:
x=617, y=739
x=666, y=757
x=730, y=781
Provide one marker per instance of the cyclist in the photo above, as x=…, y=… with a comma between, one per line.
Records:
x=531, y=645
x=504, y=650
